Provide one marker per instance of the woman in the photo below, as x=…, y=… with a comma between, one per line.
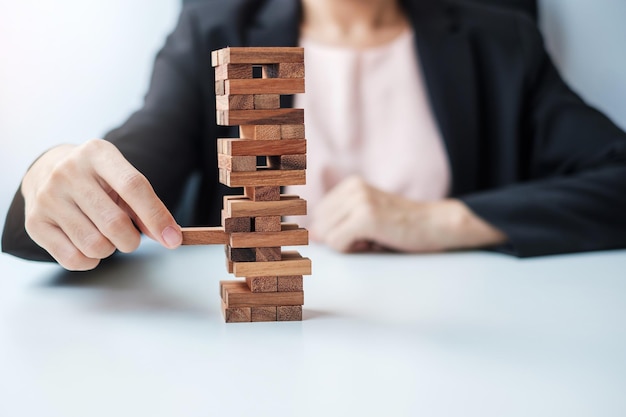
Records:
x=481, y=143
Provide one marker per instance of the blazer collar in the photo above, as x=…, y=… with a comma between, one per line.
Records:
x=445, y=54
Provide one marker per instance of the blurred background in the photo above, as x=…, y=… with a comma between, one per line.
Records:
x=70, y=70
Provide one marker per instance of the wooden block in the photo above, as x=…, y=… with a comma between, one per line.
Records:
x=291, y=70
x=268, y=254
x=220, y=88
x=265, y=313
x=294, y=237
x=262, y=284
x=260, y=132
x=264, y=86
x=262, y=193
x=286, y=206
x=266, y=101
x=240, y=254
x=235, y=102
x=237, y=294
x=270, y=71
x=267, y=224
x=204, y=236
x=262, y=178
x=244, y=147
x=287, y=162
x=260, y=117
x=233, y=71
x=289, y=313
x=292, y=131
x=236, y=224
x=289, y=265
x=290, y=283
x=237, y=163
x=214, y=59
x=229, y=265
x=259, y=55
x=236, y=314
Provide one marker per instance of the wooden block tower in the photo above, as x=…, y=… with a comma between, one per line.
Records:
x=248, y=86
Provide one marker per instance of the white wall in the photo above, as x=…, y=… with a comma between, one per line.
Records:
x=587, y=39
x=69, y=71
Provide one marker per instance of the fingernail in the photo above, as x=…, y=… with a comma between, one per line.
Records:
x=172, y=237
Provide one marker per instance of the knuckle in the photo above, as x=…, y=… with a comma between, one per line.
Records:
x=133, y=182
x=97, y=246
x=75, y=260
x=115, y=224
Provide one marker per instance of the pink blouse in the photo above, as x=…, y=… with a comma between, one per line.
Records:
x=367, y=113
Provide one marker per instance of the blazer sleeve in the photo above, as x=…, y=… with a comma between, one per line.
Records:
x=159, y=140
x=575, y=199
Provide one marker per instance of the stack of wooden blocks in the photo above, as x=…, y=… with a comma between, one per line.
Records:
x=249, y=84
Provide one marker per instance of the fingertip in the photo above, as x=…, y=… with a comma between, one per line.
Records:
x=172, y=237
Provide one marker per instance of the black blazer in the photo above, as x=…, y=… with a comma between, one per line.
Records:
x=526, y=153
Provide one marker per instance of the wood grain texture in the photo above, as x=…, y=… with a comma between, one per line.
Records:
x=262, y=193
x=285, y=237
x=262, y=284
x=289, y=313
x=235, y=102
x=268, y=254
x=237, y=294
x=264, y=86
x=267, y=224
x=237, y=163
x=240, y=254
x=244, y=147
x=220, y=88
x=264, y=313
x=287, y=162
x=290, y=283
x=266, y=101
x=260, y=132
x=236, y=314
x=289, y=265
x=258, y=55
x=292, y=131
x=291, y=70
x=260, y=117
x=262, y=178
x=204, y=236
x=287, y=206
x=236, y=224
x=233, y=71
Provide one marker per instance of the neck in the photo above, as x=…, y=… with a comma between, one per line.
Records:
x=352, y=22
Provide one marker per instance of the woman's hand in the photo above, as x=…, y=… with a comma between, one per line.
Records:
x=84, y=202
x=354, y=216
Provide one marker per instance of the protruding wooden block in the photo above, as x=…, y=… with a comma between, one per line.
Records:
x=286, y=237
x=268, y=254
x=287, y=206
x=287, y=162
x=262, y=284
x=233, y=71
x=264, y=86
x=240, y=254
x=289, y=283
x=267, y=224
x=220, y=88
x=293, y=131
x=291, y=264
x=263, y=193
x=289, y=313
x=262, y=178
x=237, y=294
x=236, y=314
x=265, y=313
x=266, y=101
x=204, y=236
x=229, y=265
x=236, y=224
x=237, y=163
x=243, y=147
x=260, y=132
x=260, y=117
x=258, y=55
x=235, y=102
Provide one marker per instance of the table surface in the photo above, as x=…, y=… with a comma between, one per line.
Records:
x=461, y=334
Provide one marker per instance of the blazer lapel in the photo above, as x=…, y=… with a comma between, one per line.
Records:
x=448, y=65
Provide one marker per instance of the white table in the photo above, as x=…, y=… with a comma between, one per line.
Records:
x=466, y=334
